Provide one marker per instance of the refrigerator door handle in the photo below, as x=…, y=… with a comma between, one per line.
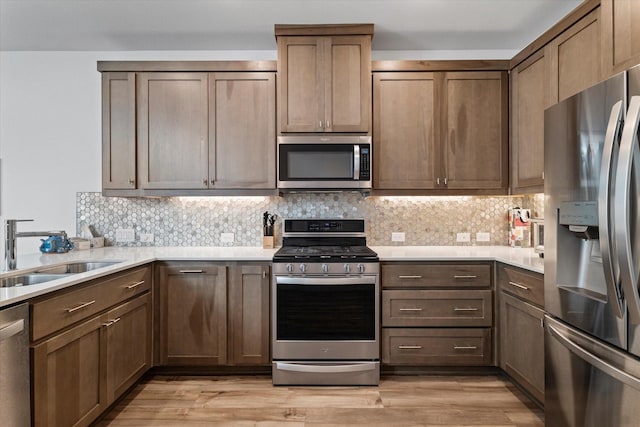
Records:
x=594, y=360
x=629, y=160
x=605, y=214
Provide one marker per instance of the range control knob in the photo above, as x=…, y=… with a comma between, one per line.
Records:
x=289, y=268
x=360, y=268
x=303, y=268
x=347, y=268
x=325, y=268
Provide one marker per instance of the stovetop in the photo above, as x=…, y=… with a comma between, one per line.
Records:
x=327, y=252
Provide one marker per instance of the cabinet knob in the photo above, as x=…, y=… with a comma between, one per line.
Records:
x=212, y=182
x=320, y=124
x=132, y=182
x=437, y=181
x=205, y=181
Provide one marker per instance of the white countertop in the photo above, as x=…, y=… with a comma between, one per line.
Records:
x=132, y=257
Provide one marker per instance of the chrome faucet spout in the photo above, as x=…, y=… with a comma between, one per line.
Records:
x=12, y=234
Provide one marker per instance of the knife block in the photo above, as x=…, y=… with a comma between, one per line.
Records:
x=267, y=242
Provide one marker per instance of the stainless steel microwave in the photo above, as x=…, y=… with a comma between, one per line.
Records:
x=319, y=162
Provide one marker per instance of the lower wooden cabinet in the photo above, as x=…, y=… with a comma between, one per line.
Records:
x=68, y=376
x=78, y=373
x=436, y=346
x=522, y=343
x=521, y=299
x=214, y=314
x=437, y=314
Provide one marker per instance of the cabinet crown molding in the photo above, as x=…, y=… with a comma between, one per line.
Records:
x=323, y=29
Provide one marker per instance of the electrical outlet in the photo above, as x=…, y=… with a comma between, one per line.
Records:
x=227, y=237
x=483, y=237
x=397, y=236
x=125, y=235
x=146, y=238
x=463, y=237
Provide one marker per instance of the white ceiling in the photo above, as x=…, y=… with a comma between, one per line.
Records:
x=148, y=25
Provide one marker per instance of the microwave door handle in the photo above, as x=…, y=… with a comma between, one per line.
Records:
x=629, y=160
x=605, y=210
x=356, y=162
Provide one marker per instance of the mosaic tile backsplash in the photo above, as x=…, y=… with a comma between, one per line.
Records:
x=191, y=221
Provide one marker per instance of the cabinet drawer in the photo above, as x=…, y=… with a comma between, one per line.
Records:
x=409, y=275
x=58, y=312
x=436, y=308
x=440, y=347
x=528, y=286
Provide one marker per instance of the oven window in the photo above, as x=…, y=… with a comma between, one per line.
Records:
x=325, y=312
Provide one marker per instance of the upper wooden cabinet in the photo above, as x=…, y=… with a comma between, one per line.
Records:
x=324, y=75
x=242, y=130
x=119, y=130
x=188, y=132
x=528, y=101
x=407, y=149
x=441, y=131
x=574, y=58
x=172, y=130
x=620, y=35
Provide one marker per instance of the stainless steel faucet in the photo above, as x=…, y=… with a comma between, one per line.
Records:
x=10, y=253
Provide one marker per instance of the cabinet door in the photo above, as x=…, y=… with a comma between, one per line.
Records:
x=242, y=133
x=348, y=84
x=69, y=376
x=128, y=344
x=301, y=83
x=528, y=102
x=575, y=58
x=620, y=35
x=475, y=130
x=522, y=343
x=193, y=314
x=118, y=130
x=406, y=138
x=249, y=315
x=172, y=130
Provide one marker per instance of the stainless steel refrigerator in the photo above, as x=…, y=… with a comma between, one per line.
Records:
x=592, y=248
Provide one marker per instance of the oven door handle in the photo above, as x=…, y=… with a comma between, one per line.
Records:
x=327, y=369
x=358, y=280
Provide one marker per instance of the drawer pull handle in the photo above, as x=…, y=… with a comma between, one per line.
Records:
x=462, y=277
x=465, y=347
x=410, y=309
x=409, y=277
x=409, y=347
x=518, y=285
x=111, y=322
x=465, y=309
x=135, y=285
x=81, y=306
x=191, y=271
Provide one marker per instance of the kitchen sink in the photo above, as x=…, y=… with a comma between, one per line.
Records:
x=76, y=267
x=29, y=279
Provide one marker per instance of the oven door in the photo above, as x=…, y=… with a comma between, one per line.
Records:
x=326, y=318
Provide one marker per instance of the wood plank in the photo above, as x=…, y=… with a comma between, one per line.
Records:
x=432, y=400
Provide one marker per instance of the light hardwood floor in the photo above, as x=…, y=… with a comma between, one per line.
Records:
x=399, y=400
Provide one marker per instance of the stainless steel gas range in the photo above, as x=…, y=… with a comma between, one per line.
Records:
x=325, y=305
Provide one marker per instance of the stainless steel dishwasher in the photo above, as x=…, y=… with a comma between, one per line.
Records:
x=15, y=398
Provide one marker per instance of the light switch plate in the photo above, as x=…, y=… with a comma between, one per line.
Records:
x=483, y=237
x=463, y=237
x=125, y=235
x=397, y=236
x=146, y=237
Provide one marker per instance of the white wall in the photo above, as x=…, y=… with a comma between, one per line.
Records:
x=50, y=130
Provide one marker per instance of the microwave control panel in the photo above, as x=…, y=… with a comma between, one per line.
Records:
x=365, y=163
